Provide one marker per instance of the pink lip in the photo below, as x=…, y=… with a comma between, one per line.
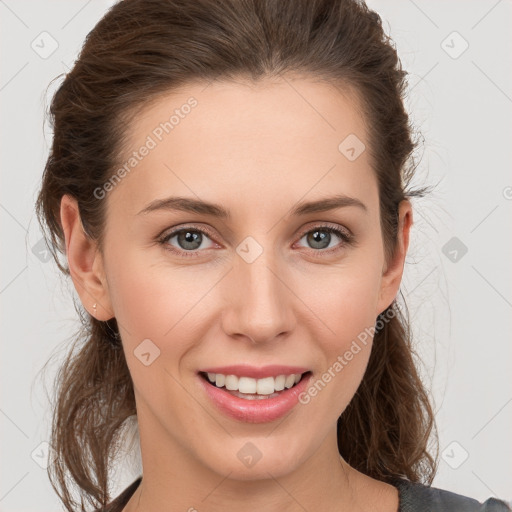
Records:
x=241, y=370
x=256, y=411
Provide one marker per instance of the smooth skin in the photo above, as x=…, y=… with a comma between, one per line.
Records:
x=257, y=149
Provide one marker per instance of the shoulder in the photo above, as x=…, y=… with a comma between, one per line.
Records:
x=416, y=497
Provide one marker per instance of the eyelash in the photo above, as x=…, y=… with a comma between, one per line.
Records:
x=347, y=239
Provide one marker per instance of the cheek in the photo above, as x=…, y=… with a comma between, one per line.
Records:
x=148, y=300
x=155, y=301
x=345, y=298
x=154, y=306
x=347, y=307
x=352, y=308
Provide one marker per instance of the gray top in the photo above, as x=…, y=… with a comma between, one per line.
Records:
x=414, y=497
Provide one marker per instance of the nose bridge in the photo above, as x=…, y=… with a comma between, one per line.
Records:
x=261, y=307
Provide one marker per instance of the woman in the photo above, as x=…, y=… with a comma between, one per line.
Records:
x=229, y=183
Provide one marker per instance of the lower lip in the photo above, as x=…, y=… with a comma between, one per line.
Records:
x=255, y=411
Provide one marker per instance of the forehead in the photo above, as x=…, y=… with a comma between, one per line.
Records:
x=269, y=141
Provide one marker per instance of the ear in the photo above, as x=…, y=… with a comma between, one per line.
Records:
x=85, y=262
x=393, y=270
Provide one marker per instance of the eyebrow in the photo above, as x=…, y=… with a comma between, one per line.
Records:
x=186, y=204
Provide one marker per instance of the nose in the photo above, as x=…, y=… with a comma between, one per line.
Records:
x=259, y=304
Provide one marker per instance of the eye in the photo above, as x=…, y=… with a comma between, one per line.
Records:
x=189, y=241
x=320, y=238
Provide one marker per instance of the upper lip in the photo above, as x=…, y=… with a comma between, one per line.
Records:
x=243, y=370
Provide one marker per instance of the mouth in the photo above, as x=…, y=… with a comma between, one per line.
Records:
x=255, y=400
x=248, y=388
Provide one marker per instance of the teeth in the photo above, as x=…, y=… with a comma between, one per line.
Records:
x=279, y=382
x=248, y=385
x=289, y=382
x=232, y=382
x=264, y=386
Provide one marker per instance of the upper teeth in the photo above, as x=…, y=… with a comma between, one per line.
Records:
x=265, y=386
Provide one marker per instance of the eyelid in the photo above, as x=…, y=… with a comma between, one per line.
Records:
x=183, y=227
x=327, y=225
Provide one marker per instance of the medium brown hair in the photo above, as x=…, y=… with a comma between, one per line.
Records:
x=144, y=48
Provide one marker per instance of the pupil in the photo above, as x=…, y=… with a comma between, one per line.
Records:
x=189, y=239
x=319, y=238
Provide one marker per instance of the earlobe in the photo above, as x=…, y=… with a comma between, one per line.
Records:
x=392, y=274
x=85, y=262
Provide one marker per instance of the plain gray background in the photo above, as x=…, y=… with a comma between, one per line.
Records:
x=458, y=274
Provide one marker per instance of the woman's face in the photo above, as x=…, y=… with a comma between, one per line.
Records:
x=266, y=284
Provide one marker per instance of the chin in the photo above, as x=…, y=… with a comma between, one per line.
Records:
x=257, y=459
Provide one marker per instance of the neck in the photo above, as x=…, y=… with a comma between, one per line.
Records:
x=175, y=480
